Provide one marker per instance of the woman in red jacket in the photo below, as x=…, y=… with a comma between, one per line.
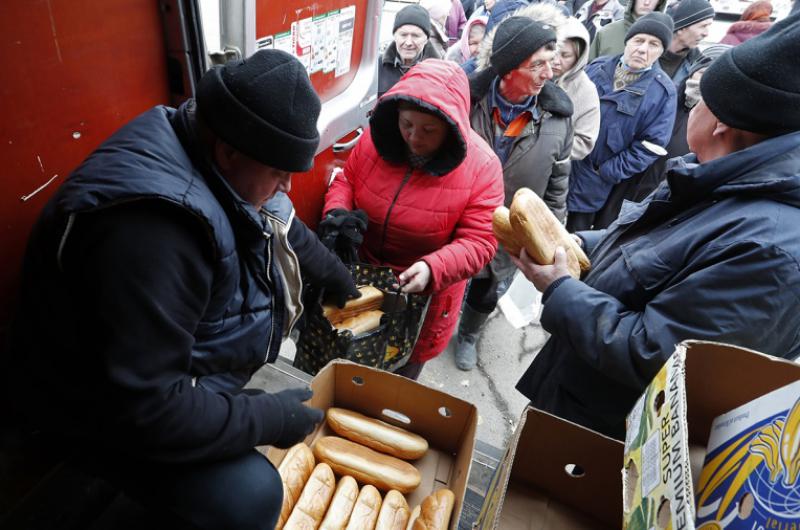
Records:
x=428, y=184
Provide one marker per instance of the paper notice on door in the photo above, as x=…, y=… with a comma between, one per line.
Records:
x=302, y=32
x=344, y=45
x=283, y=42
x=324, y=42
x=265, y=43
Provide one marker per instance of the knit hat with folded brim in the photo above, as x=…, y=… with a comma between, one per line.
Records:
x=755, y=86
x=265, y=107
x=689, y=12
x=416, y=15
x=657, y=24
x=516, y=39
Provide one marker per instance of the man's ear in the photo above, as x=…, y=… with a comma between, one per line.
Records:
x=223, y=154
x=720, y=129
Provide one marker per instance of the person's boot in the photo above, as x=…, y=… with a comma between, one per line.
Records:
x=469, y=328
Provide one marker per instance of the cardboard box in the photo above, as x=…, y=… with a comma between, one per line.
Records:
x=555, y=475
x=448, y=423
x=716, y=379
x=750, y=476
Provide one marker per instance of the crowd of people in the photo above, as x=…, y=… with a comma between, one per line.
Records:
x=168, y=267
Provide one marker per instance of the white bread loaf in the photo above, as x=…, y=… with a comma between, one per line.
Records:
x=394, y=512
x=342, y=505
x=314, y=500
x=294, y=469
x=366, y=510
x=376, y=434
x=365, y=465
x=435, y=511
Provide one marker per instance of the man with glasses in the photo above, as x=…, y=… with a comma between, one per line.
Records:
x=526, y=119
x=412, y=31
x=637, y=110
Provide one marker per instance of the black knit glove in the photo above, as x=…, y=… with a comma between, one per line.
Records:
x=342, y=231
x=299, y=420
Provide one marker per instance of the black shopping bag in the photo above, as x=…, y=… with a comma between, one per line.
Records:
x=388, y=347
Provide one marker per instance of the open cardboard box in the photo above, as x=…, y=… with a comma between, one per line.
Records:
x=555, y=475
x=705, y=380
x=448, y=423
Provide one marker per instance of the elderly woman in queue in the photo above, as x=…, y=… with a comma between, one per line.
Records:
x=428, y=185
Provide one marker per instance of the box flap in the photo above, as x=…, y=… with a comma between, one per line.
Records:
x=547, y=445
x=721, y=377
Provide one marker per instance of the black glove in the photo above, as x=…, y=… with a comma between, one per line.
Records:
x=342, y=231
x=299, y=420
x=348, y=292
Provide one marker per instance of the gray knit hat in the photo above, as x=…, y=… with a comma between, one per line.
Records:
x=416, y=15
x=689, y=12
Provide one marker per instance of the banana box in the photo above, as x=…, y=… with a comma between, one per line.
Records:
x=657, y=485
x=750, y=476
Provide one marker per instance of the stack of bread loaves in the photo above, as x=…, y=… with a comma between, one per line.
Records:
x=530, y=224
x=359, y=315
x=371, y=453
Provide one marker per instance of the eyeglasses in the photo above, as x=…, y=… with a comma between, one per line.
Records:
x=537, y=67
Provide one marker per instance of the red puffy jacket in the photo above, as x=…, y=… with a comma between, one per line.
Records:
x=440, y=213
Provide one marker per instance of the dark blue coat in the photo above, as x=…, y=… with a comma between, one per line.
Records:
x=712, y=254
x=643, y=110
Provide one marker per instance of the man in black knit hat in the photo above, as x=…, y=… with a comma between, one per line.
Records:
x=692, y=21
x=526, y=119
x=711, y=254
x=411, y=44
x=157, y=280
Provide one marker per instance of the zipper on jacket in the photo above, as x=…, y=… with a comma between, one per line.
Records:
x=391, y=207
x=269, y=282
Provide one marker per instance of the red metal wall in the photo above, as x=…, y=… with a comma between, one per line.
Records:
x=73, y=71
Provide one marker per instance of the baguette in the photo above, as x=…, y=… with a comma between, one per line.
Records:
x=367, y=466
x=539, y=231
x=501, y=226
x=371, y=298
x=394, y=512
x=366, y=510
x=435, y=511
x=342, y=505
x=361, y=323
x=295, y=468
x=413, y=517
x=376, y=434
x=313, y=502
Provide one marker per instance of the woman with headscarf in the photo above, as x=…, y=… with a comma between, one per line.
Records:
x=467, y=45
x=754, y=21
x=429, y=185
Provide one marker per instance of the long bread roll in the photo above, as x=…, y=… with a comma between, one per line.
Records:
x=313, y=502
x=342, y=505
x=294, y=469
x=376, y=434
x=413, y=517
x=371, y=298
x=361, y=323
x=501, y=226
x=538, y=230
x=366, y=510
x=370, y=467
x=394, y=512
x=435, y=511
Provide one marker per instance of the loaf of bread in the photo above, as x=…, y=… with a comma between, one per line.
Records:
x=376, y=434
x=435, y=511
x=367, y=466
x=361, y=323
x=342, y=505
x=539, y=232
x=294, y=469
x=394, y=512
x=366, y=510
x=371, y=298
x=413, y=517
x=501, y=226
x=314, y=500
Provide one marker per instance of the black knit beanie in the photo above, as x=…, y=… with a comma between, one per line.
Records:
x=657, y=24
x=756, y=85
x=688, y=12
x=416, y=15
x=516, y=39
x=265, y=107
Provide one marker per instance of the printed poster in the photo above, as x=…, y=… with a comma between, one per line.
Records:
x=344, y=44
